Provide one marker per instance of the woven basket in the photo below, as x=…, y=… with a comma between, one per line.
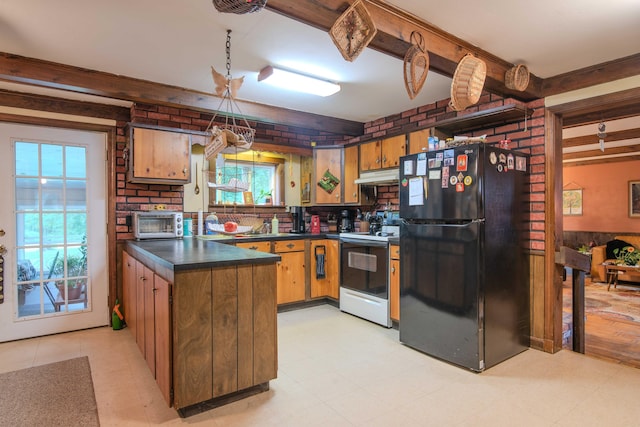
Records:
x=468, y=81
x=416, y=65
x=353, y=31
x=238, y=6
x=517, y=77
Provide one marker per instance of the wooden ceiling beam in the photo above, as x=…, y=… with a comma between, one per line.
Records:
x=594, y=139
x=394, y=28
x=593, y=75
x=35, y=72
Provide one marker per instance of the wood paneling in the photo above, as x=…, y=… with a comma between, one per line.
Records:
x=536, y=300
x=245, y=286
x=265, y=335
x=192, y=338
x=224, y=328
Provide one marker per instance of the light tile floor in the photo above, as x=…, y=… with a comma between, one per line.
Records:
x=338, y=370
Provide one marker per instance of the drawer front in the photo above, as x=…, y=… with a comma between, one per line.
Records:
x=394, y=251
x=280, y=246
x=256, y=246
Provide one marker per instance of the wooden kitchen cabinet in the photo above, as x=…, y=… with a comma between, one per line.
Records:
x=394, y=282
x=351, y=172
x=141, y=315
x=329, y=285
x=382, y=154
x=419, y=140
x=256, y=246
x=158, y=156
x=129, y=292
x=146, y=298
x=327, y=159
x=214, y=329
x=162, y=335
x=290, y=271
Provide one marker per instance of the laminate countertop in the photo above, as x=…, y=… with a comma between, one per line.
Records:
x=190, y=253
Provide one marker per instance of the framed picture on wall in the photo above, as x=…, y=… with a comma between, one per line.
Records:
x=634, y=199
x=572, y=202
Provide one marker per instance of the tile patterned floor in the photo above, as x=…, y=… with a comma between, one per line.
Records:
x=338, y=370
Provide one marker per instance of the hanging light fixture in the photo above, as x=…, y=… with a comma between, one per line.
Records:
x=228, y=137
x=239, y=7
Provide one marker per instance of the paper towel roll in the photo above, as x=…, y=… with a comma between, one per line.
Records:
x=200, y=223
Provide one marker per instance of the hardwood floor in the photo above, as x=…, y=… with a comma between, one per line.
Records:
x=607, y=336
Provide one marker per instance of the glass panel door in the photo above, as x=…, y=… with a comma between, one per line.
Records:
x=51, y=228
x=54, y=213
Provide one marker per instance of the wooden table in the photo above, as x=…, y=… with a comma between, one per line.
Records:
x=612, y=271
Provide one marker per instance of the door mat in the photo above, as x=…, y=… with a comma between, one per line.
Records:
x=57, y=394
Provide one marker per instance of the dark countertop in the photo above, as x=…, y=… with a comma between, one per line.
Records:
x=213, y=251
x=232, y=239
x=189, y=253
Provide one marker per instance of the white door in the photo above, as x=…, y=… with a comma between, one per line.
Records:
x=53, y=213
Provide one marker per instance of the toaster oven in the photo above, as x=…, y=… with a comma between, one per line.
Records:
x=157, y=225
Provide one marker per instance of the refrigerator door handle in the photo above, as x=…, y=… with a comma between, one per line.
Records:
x=444, y=224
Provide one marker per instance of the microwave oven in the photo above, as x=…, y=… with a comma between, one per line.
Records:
x=157, y=225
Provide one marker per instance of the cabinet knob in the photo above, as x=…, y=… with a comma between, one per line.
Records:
x=384, y=159
x=377, y=160
x=337, y=196
x=184, y=171
x=393, y=269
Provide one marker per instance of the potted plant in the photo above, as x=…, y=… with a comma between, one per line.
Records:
x=76, y=266
x=627, y=256
x=266, y=196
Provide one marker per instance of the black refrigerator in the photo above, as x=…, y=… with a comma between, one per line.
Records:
x=464, y=294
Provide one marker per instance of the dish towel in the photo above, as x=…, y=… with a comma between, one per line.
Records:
x=320, y=273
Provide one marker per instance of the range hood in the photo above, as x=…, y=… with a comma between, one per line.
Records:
x=379, y=177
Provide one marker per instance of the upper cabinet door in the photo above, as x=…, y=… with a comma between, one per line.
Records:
x=370, y=156
x=351, y=190
x=327, y=176
x=392, y=149
x=159, y=156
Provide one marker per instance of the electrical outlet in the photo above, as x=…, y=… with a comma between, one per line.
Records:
x=160, y=207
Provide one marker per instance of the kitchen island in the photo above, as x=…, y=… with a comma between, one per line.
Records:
x=204, y=317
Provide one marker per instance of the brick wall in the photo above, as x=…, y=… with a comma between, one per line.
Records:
x=135, y=197
x=525, y=135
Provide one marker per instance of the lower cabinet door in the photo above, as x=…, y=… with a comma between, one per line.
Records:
x=291, y=287
x=162, y=332
x=394, y=289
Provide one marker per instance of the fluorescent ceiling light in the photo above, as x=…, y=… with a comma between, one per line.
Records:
x=297, y=82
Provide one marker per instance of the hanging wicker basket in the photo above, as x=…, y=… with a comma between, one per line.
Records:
x=353, y=31
x=517, y=77
x=416, y=65
x=239, y=7
x=468, y=82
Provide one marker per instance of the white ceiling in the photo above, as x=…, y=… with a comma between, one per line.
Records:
x=175, y=42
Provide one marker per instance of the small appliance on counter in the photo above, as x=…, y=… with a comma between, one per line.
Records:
x=157, y=225
x=297, y=219
x=315, y=224
x=346, y=221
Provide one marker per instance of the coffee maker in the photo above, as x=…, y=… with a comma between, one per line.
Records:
x=346, y=221
x=297, y=219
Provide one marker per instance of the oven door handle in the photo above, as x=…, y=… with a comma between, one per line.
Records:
x=362, y=242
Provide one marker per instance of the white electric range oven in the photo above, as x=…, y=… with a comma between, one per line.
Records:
x=364, y=275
